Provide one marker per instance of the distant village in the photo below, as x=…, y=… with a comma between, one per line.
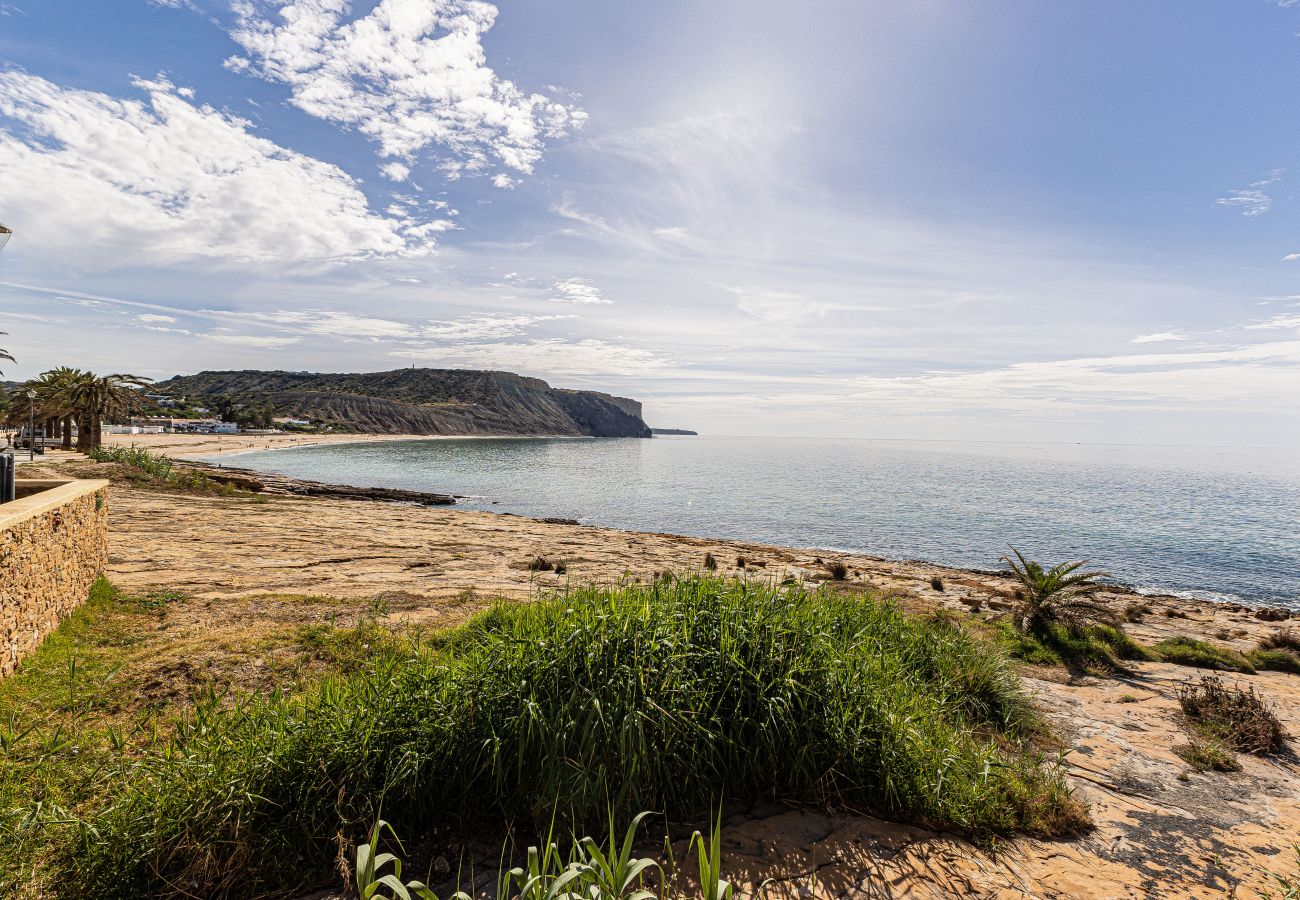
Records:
x=168, y=414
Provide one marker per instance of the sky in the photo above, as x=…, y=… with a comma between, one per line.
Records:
x=936, y=219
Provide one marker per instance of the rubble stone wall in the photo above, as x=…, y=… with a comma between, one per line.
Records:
x=53, y=545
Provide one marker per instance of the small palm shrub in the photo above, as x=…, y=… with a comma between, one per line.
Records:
x=1061, y=595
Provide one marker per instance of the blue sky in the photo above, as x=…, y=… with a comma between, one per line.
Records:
x=923, y=218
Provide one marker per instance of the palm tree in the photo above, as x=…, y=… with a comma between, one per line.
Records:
x=57, y=389
x=1060, y=595
x=104, y=396
x=4, y=354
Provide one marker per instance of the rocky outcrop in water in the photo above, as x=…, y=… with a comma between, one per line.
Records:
x=422, y=401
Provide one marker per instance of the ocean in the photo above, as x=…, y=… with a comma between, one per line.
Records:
x=1211, y=523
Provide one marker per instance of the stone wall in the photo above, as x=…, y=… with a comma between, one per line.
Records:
x=53, y=545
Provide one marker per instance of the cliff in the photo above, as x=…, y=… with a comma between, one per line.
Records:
x=422, y=401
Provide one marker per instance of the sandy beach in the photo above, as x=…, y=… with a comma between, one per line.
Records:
x=189, y=446
x=248, y=564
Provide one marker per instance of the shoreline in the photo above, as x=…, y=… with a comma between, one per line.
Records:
x=200, y=447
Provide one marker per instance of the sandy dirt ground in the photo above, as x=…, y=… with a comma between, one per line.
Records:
x=1161, y=829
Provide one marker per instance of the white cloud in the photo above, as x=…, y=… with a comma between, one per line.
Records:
x=112, y=182
x=410, y=74
x=154, y=319
x=395, y=171
x=576, y=290
x=1159, y=337
x=1291, y=257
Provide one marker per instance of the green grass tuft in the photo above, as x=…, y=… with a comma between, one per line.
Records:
x=1099, y=648
x=1209, y=756
x=601, y=702
x=1186, y=651
x=1275, y=660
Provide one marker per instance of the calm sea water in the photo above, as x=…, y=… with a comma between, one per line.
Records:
x=1212, y=523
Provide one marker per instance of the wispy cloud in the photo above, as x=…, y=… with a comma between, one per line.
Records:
x=1159, y=337
x=1277, y=323
x=550, y=357
x=409, y=75
x=253, y=340
x=1252, y=201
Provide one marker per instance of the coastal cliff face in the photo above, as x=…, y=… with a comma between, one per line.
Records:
x=424, y=401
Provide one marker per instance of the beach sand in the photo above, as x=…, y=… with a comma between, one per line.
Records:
x=189, y=446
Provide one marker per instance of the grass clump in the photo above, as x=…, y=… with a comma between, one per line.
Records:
x=710, y=562
x=1278, y=651
x=1275, y=660
x=936, y=582
x=1240, y=719
x=1093, y=648
x=597, y=703
x=1186, y=651
x=1208, y=756
x=837, y=570
x=540, y=564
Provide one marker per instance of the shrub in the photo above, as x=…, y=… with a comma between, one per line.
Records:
x=936, y=582
x=740, y=562
x=1060, y=595
x=540, y=564
x=837, y=570
x=1239, y=718
x=665, y=696
x=150, y=464
x=160, y=470
x=1135, y=612
x=710, y=562
x=1282, y=639
x=561, y=567
x=1186, y=651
